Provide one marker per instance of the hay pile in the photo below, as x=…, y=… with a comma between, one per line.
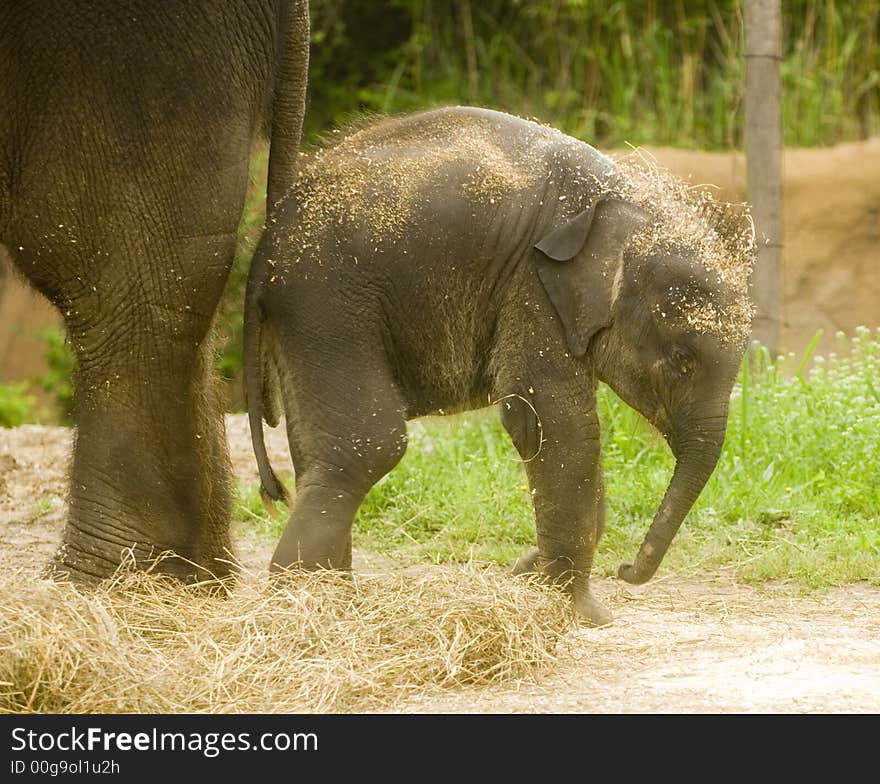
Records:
x=317, y=643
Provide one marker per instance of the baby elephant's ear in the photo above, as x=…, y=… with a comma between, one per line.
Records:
x=580, y=265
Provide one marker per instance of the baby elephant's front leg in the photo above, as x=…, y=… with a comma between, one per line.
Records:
x=564, y=475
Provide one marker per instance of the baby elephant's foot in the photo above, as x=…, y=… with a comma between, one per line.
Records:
x=590, y=611
x=528, y=563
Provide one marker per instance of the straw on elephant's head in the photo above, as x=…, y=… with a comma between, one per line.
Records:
x=720, y=234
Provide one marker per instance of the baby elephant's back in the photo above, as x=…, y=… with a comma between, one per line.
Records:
x=435, y=172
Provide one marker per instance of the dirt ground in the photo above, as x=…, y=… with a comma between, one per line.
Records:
x=676, y=646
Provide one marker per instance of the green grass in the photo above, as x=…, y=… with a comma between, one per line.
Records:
x=796, y=494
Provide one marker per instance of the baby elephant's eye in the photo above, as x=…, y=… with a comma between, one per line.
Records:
x=682, y=359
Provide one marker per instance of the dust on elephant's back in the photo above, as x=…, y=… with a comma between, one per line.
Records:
x=380, y=176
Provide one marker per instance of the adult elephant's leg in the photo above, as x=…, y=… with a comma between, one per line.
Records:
x=134, y=248
x=150, y=467
x=124, y=141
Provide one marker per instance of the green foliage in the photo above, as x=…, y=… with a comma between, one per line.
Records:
x=16, y=406
x=831, y=71
x=248, y=509
x=61, y=363
x=639, y=72
x=796, y=493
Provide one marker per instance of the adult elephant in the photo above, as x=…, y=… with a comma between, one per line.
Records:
x=125, y=134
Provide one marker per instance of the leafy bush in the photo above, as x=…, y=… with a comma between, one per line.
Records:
x=61, y=363
x=643, y=72
x=16, y=406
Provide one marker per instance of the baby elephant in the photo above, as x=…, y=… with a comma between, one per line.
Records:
x=459, y=258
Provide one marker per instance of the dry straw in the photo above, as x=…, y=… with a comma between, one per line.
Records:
x=320, y=642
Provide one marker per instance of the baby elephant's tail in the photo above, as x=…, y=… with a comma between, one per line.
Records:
x=271, y=488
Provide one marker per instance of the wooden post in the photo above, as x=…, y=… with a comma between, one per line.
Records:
x=470, y=49
x=763, y=142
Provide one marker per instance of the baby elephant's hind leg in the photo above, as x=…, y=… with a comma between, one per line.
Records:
x=318, y=532
x=339, y=453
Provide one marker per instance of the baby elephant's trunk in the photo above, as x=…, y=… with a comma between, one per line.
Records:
x=693, y=467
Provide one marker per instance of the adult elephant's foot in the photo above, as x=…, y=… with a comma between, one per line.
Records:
x=150, y=480
x=85, y=559
x=589, y=609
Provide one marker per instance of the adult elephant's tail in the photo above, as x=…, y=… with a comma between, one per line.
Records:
x=288, y=101
x=285, y=133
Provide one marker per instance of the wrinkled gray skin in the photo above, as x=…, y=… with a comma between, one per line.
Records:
x=504, y=298
x=125, y=133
